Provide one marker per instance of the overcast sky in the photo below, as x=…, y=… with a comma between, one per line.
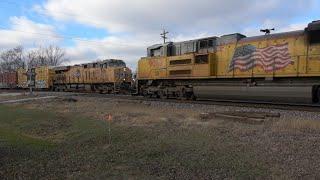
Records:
x=100, y=29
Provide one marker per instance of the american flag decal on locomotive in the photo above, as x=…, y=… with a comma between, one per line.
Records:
x=271, y=58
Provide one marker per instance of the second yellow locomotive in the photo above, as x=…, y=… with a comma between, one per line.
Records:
x=108, y=76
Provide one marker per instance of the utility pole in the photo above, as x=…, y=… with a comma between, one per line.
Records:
x=30, y=84
x=164, y=35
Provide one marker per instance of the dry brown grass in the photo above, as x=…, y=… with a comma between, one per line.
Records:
x=169, y=141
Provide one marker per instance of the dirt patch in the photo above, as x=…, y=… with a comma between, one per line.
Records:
x=69, y=99
x=243, y=117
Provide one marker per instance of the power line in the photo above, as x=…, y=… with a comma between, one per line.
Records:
x=58, y=12
x=13, y=3
x=58, y=36
x=92, y=21
x=62, y=36
x=86, y=17
x=51, y=35
x=9, y=2
x=66, y=37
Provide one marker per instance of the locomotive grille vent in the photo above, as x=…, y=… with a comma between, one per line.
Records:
x=180, y=72
x=202, y=59
x=179, y=62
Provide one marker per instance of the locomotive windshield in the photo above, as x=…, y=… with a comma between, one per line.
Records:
x=314, y=32
x=113, y=63
x=314, y=37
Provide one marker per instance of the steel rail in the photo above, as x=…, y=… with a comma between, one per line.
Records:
x=219, y=102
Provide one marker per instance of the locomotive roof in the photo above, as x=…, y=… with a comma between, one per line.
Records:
x=231, y=38
x=199, y=39
x=61, y=68
x=106, y=61
x=112, y=61
x=273, y=36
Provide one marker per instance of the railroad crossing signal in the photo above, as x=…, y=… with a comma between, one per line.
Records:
x=31, y=76
x=164, y=35
x=30, y=73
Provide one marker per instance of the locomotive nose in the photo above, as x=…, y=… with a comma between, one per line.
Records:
x=123, y=74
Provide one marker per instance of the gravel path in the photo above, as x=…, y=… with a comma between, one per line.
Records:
x=27, y=99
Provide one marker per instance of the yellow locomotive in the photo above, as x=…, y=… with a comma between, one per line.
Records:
x=109, y=76
x=272, y=67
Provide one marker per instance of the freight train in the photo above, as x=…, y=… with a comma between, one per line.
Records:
x=283, y=67
x=273, y=67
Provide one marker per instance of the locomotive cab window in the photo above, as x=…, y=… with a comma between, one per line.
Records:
x=202, y=59
x=210, y=43
x=203, y=44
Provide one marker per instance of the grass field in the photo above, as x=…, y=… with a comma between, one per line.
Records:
x=47, y=145
x=59, y=140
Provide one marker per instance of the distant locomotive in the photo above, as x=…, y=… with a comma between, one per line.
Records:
x=109, y=76
x=278, y=67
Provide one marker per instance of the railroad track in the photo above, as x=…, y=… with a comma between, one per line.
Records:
x=269, y=105
x=235, y=103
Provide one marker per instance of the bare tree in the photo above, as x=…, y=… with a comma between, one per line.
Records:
x=12, y=59
x=46, y=56
x=32, y=58
x=55, y=55
x=15, y=58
